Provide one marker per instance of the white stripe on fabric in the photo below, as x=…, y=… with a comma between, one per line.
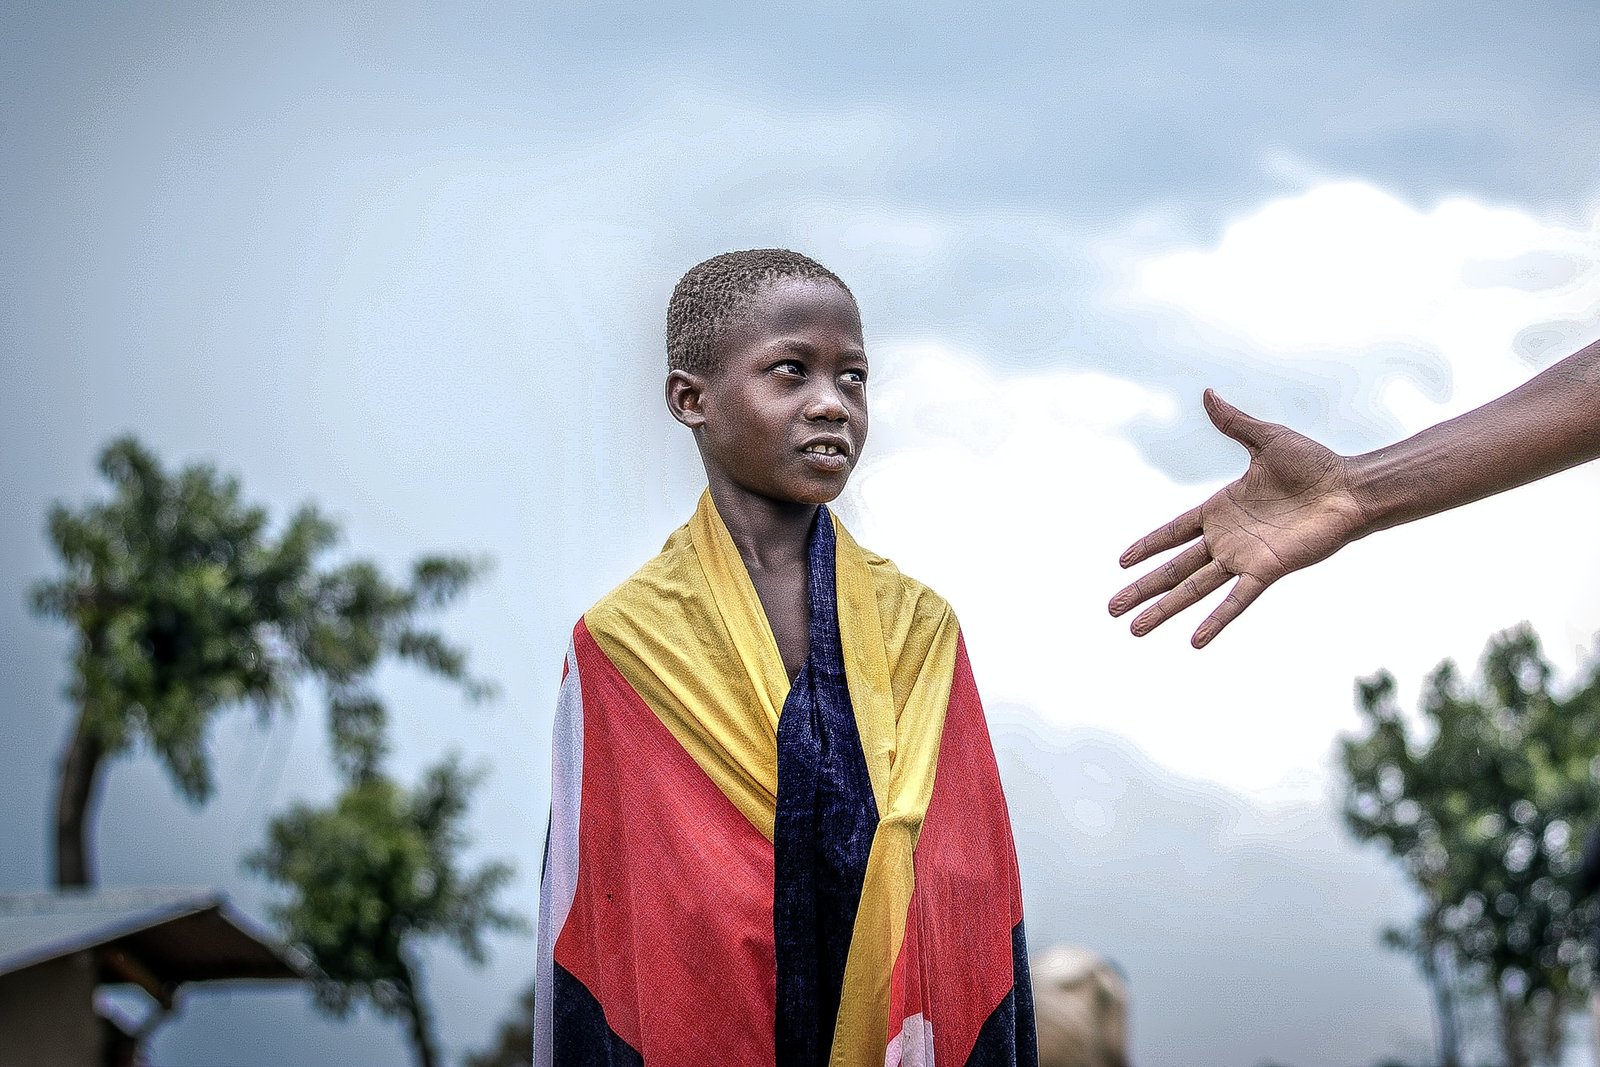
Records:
x=913, y=1045
x=560, y=882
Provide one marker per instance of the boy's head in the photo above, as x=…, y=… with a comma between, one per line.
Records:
x=767, y=368
x=720, y=292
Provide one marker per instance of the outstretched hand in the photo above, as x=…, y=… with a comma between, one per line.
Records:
x=1292, y=507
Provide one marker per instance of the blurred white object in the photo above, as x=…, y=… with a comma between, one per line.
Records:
x=1080, y=1002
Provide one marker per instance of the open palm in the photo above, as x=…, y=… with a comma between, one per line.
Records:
x=1292, y=507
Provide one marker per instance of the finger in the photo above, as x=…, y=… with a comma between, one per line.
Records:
x=1250, y=432
x=1185, y=527
x=1241, y=596
x=1202, y=582
x=1161, y=579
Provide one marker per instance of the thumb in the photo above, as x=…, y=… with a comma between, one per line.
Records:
x=1250, y=432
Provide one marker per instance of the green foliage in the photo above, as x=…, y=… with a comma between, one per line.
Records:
x=373, y=875
x=1485, y=805
x=512, y=1041
x=185, y=603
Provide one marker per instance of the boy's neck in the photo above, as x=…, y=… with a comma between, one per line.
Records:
x=769, y=534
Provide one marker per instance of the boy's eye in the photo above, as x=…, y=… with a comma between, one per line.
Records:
x=789, y=366
x=855, y=377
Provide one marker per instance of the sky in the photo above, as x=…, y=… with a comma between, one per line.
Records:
x=412, y=263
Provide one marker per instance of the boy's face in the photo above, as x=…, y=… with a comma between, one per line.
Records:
x=785, y=415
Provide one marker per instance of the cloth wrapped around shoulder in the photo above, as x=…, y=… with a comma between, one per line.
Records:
x=744, y=871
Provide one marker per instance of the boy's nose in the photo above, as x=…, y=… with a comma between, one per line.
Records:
x=826, y=404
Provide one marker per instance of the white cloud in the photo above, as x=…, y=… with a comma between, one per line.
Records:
x=1348, y=266
x=1013, y=494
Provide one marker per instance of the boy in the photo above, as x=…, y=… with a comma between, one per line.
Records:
x=777, y=834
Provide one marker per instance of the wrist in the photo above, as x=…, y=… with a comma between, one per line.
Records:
x=1349, y=508
x=1381, y=490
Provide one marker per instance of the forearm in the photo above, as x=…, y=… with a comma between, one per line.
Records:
x=1548, y=424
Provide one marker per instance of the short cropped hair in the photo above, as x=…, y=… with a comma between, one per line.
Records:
x=716, y=294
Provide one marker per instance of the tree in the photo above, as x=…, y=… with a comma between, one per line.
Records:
x=1484, y=807
x=183, y=604
x=370, y=878
x=512, y=1041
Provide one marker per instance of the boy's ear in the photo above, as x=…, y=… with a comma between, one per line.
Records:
x=685, y=394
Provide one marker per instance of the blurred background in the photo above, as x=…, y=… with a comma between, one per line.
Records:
x=409, y=263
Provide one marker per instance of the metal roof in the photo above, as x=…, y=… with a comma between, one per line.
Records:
x=170, y=934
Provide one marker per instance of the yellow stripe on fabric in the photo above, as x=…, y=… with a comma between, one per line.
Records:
x=689, y=634
x=900, y=687
x=866, y=663
x=741, y=610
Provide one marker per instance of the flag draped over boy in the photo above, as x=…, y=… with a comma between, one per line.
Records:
x=681, y=870
x=759, y=857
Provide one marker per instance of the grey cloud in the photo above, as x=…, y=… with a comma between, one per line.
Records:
x=1546, y=342
x=1246, y=937
x=1530, y=273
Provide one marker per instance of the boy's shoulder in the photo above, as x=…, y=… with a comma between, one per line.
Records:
x=921, y=635
x=666, y=591
x=659, y=590
x=901, y=596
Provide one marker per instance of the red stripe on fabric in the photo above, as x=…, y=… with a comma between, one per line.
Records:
x=671, y=926
x=955, y=966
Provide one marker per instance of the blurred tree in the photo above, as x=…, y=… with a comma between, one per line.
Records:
x=1482, y=802
x=184, y=605
x=513, y=1042
x=373, y=875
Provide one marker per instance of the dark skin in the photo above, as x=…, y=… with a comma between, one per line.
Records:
x=780, y=424
x=1299, y=503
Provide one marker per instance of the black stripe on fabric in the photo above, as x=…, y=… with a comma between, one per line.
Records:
x=822, y=834
x=544, y=863
x=582, y=1037
x=1008, y=1038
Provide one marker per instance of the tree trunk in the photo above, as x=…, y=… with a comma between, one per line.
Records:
x=1440, y=976
x=75, y=799
x=1513, y=1029
x=1553, y=1024
x=419, y=1022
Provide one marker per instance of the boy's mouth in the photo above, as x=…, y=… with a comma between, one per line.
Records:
x=829, y=453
